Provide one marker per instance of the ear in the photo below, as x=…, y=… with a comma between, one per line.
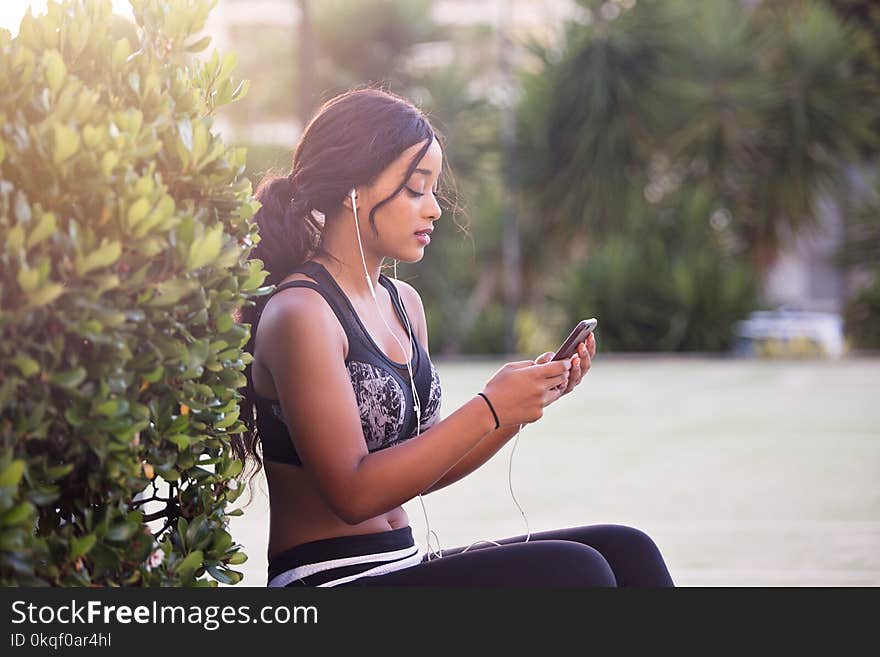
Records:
x=347, y=200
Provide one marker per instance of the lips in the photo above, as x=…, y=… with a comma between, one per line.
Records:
x=426, y=231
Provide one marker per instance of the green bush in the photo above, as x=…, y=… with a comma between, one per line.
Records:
x=125, y=233
x=670, y=287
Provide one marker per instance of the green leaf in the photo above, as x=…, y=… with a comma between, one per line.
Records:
x=108, y=162
x=224, y=323
x=112, y=407
x=28, y=279
x=179, y=439
x=66, y=143
x=17, y=514
x=241, y=90
x=168, y=475
x=26, y=365
x=12, y=474
x=228, y=420
x=15, y=238
x=121, y=51
x=256, y=275
x=121, y=532
x=199, y=45
x=137, y=212
x=190, y=564
x=172, y=291
x=45, y=227
x=58, y=471
x=224, y=576
x=56, y=71
x=233, y=469
x=229, y=62
x=45, y=295
x=237, y=559
x=80, y=545
x=104, y=256
x=207, y=248
x=69, y=379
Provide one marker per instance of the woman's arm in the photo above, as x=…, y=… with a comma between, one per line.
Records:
x=493, y=441
x=303, y=346
x=497, y=438
x=485, y=450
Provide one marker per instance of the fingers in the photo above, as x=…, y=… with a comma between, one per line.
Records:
x=544, y=358
x=580, y=365
x=554, y=393
x=575, y=375
x=560, y=380
x=553, y=368
x=585, y=357
x=591, y=345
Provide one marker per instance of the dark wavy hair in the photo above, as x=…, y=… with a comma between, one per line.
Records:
x=349, y=142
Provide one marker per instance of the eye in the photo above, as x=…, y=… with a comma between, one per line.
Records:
x=413, y=192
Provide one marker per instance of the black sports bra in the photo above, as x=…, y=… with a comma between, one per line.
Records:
x=381, y=385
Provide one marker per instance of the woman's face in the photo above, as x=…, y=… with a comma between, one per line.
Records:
x=404, y=223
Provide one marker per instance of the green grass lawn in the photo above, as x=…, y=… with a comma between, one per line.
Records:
x=745, y=472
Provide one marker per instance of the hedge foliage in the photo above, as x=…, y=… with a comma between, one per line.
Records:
x=125, y=230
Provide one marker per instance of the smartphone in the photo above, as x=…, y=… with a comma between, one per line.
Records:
x=578, y=334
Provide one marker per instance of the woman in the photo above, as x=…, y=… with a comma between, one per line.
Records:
x=346, y=398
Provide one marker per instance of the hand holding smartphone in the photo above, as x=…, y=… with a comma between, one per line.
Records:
x=578, y=334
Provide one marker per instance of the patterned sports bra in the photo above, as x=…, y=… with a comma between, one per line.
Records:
x=381, y=385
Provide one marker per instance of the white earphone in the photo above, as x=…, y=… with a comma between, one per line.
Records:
x=416, y=401
x=417, y=407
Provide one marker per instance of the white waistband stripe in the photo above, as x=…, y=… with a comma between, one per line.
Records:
x=400, y=558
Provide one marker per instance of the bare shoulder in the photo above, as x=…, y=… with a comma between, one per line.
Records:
x=412, y=301
x=409, y=295
x=298, y=316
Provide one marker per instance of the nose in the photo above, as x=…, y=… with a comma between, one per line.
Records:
x=432, y=210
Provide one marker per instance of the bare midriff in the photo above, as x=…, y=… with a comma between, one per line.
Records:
x=298, y=514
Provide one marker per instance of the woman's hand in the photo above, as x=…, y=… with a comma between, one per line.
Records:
x=519, y=391
x=580, y=362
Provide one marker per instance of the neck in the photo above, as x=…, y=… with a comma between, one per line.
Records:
x=346, y=266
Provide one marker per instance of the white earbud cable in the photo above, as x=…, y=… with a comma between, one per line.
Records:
x=431, y=553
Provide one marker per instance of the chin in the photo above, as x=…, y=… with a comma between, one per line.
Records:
x=412, y=257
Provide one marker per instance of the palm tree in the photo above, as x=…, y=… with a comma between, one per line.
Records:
x=765, y=106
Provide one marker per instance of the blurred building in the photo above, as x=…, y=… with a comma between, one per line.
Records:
x=806, y=275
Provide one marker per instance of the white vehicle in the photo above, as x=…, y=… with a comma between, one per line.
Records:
x=785, y=332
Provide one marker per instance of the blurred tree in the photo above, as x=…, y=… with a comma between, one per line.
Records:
x=676, y=285
x=764, y=106
x=460, y=276
x=822, y=116
x=306, y=62
x=588, y=121
x=368, y=42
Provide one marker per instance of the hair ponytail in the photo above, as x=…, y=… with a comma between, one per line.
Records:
x=289, y=235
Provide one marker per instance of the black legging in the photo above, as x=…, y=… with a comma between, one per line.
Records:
x=597, y=555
